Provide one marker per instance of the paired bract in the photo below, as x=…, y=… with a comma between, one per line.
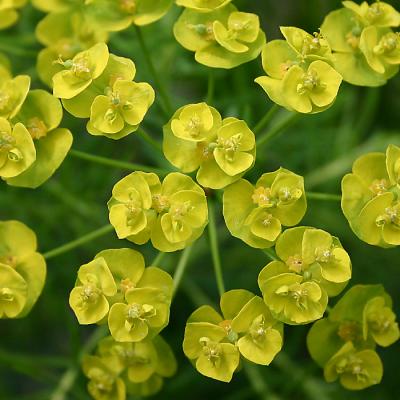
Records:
x=137, y=368
x=299, y=72
x=98, y=85
x=172, y=214
x=22, y=270
x=370, y=197
x=257, y=213
x=312, y=266
x=366, y=49
x=117, y=289
x=220, y=36
x=344, y=342
x=246, y=328
x=196, y=137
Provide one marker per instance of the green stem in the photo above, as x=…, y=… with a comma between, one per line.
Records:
x=168, y=109
x=323, y=196
x=68, y=379
x=271, y=254
x=78, y=242
x=258, y=382
x=153, y=143
x=180, y=268
x=266, y=119
x=212, y=231
x=210, y=88
x=277, y=129
x=158, y=259
x=115, y=163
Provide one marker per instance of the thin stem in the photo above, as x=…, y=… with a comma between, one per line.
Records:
x=271, y=254
x=266, y=119
x=180, y=268
x=211, y=87
x=212, y=231
x=115, y=163
x=158, y=259
x=168, y=109
x=78, y=242
x=323, y=196
x=145, y=136
x=258, y=382
x=68, y=379
x=277, y=129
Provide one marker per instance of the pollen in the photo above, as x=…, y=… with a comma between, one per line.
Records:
x=379, y=186
x=36, y=127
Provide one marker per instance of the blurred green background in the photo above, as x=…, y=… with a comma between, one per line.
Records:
x=36, y=351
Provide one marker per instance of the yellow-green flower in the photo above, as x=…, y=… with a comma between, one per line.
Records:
x=8, y=12
x=117, y=68
x=104, y=382
x=378, y=14
x=222, y=38
x=17, y=151
x=138, y=367
x=379, y=321
x=365, y=48
x=363, y=317
x=140, y=308
x=214, y=342
x=64, y=34
x=256, y=214
x=13, y=92
x=41, y=115
x=197, y=138
x=80, y=71
x=173, y=214
x=115, y=282
x=381, y=48
x=121, y=110
x=370, y=197
x=116, y=15
x=22, y=270
x=299, y=75
x=356, y=370
x=314, y=266
x=88, y=299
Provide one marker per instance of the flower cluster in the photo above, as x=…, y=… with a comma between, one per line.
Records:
x=137, y=368
x=312, y=266
x=117, y=289
x=366, y=50
x=196, y=137
x=32, y=146
x=172, y=214
x=22, y=270
x=98, y=85
x=344, y=342
x=8, y=12
x=256, y=214
x=370, y=197
x=299, y=72
x=72, y=26
x=246, y=328
x=219, y=34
